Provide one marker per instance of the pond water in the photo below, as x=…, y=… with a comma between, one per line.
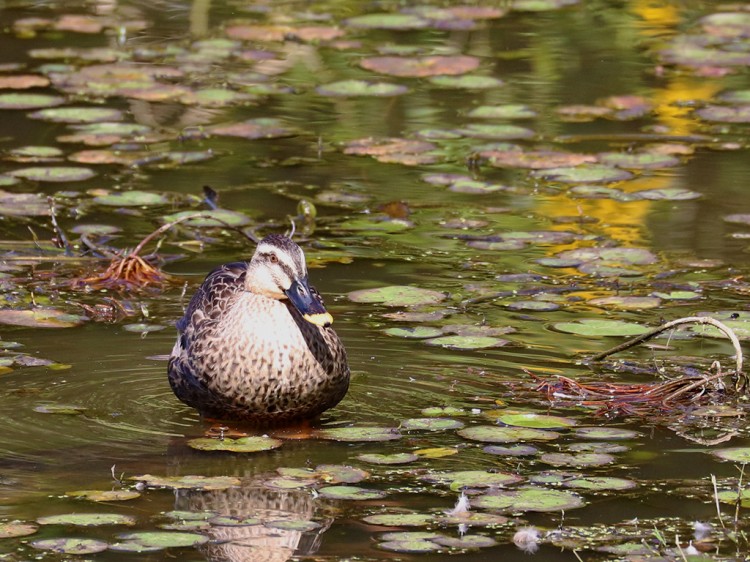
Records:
x=536, y=165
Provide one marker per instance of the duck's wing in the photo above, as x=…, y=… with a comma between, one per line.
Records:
x=215, y=294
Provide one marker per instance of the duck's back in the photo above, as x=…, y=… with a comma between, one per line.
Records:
x=242, y=355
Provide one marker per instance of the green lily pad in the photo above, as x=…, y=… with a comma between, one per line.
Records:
x=29, y=101
x=394, y=458
x=36, y=154
x=677, y=295
x=529, y=499
x=473, y=479
x=587, y=173
x=71, y=546
x=166, y=539
x=387, y=21
x=104, y=495
x=511, y=451
x=410, y=546
x=210, y=218
x=410, y=536
x=421, y=67
x=534, y=306
x=467, y=342
x=359, y=434
x=299, y=525
x=467, y=541
x=665, y=194
x=55, y=174
x=577, y=459
x=609, y=433
x=507, y=111
x=340, y=473
x=400, y=519
x=431, y=424
x=499, y=434
x=23, y=204
x=188, y=482
x=253, y=444
x=625, y=302
x=361, y=88
x=289, y=483
x=134, y=198
x=350, y=493
x=397, y=295
x=496, y=132
x=474, y=519
x=40, y=318
x=87, y=519
x=418, y=332
x=11, y=529
x=466, y=82
x=78, y=114
x=595, y=327
x=735, y=454
x=538, y=421
x=638, y=161
x=611, y=256
x=600, y=483
x=234, y=521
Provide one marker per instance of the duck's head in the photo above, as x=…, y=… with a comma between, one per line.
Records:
x=277, y=270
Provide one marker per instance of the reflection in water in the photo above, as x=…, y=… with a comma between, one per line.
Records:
x=265, y=541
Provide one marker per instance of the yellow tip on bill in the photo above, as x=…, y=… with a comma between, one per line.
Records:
x=323, y=319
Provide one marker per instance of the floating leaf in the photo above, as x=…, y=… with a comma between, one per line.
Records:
x=420, y=67
x=473, y=479
x=529, y=499
x=359, y=434
x=394, y=458
x=498, y=434
x=466, y=82
x=538, y=421
x=387, y=21
x=23, y=82
x=596, y=327
x=71, y=546
x=507, y=111
x=23, y=204
x=188, y=482
x=599, y=483
x=234, y=521
x=409, y=546
x=399, y=519
x=337, y=473
x=467, y=541
x=210, y=218
x=298, y=525
x=54, y=174
x=260, y=128
x=431, y=424
x=419, y=332
x=157, y=539
x=735, y=454
x=29, y=101
x=511, y=451
x=496, y=132
x=467, y=342
x=625, y=302
x=605, y=433
x=252, y=444
x=436, y=452
x=87, y=519
x=638, y=161
x=593, y=173
x=17, y=529
x=350, y=493
x=40, y=318
x=397, y=295
x=361, y=88
x=104, y=495
x=578, y=459
x=133, y=198
x=78, y=114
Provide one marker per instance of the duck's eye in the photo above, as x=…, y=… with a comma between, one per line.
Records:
x=274, y=258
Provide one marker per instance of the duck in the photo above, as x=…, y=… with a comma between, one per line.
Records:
x=256, y=345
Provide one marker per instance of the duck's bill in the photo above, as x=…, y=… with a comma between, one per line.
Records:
x=309, y=303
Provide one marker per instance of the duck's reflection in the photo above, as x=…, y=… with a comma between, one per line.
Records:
x=257, y=523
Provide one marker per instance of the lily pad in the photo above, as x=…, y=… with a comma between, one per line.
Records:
x=591, y=173
x=133, y=198
x=473, y=479
x=361, y=88
x=210, y=218
x=499, y=434
x=54, y=174
x=529, y=499
x=340, y=473
x=188, y=482
x=467, y=541
x=400, y=519
x=234, y=521
x=418, y=332
x=29, y=101
x=608, y=433
x=17, y=529
x=298, y=525
x=431, y=424
x=359, y=434
x=387, y=459
x=40, y=318
x=735, y=454
x=577, y=459
x=511, y=451
x=595, y=327
x=71, y=546
x=496, y=132
x=350, y=493
x=538, y=421
x=625, y=302
x=638, y=161
x=421, y=67
x=252, y=444
x=78, y=114
x=397, y=295
x=467, y=342
x=467, y=82
x=600, y=483
x=87, y=519
x=260, y=128
x=166, y=539
x=507, y=111
x=104, y=495
x=410, y=546
x=387, y=21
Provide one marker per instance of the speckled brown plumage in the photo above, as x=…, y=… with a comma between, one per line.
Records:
x=242, y=354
